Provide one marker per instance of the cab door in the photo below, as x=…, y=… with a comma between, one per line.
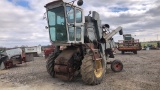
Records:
x=75, y=22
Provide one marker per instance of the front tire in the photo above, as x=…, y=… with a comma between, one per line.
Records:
x=116, y=66
x=50, y=63
x=92, y=74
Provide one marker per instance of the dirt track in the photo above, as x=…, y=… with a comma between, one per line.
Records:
x=141, y=72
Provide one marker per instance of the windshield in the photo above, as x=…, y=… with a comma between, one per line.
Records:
x=127, y=37
x=57, y=25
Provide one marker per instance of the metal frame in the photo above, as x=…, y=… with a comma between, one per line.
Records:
x=131, y=45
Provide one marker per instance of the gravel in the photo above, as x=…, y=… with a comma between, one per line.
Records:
x=141, y=72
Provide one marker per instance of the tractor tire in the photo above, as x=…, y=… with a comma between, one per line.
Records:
x=135, y=52
x=50, y=64
x=116, y=66
x=90, y=75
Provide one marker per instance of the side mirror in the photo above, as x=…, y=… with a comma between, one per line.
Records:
x=80, y=2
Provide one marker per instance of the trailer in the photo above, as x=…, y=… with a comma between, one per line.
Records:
x=35, y=51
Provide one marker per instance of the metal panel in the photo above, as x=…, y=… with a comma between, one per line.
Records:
x=29, y=57
x=13, y=52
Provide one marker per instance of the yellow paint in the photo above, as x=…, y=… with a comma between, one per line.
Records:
x=99, y=69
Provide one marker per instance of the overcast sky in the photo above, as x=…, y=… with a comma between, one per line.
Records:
x=21, y=21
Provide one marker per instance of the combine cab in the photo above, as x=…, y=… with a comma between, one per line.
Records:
x=129, y=44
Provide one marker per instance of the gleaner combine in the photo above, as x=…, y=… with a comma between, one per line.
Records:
x=86, y=43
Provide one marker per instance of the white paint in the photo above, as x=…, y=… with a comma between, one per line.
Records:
x=36, y=49
x=13, y=52
x=2, y=66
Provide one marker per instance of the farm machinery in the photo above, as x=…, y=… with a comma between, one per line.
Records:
x=129, y=44
x=48, y=51
x=12, y=57
x=82, y=43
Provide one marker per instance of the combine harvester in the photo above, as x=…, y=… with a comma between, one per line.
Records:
x=87, y=43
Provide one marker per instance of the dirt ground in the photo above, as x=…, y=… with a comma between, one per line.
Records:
x=141, y=72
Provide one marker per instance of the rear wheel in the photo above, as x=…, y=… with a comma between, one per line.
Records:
x=135, y=52
x=116, y=66
x=92, y=71
x=50, y=63
x=122, y=52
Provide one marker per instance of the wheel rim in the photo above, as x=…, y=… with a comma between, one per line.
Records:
x=117, y=66
x=98, y=71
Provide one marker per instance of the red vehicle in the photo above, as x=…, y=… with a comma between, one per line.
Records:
x=129, y=44
x=48, y=51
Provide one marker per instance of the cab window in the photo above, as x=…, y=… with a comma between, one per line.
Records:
x=70, y=14
x=78, y=16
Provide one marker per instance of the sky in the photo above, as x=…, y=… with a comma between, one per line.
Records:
x=22, y=23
